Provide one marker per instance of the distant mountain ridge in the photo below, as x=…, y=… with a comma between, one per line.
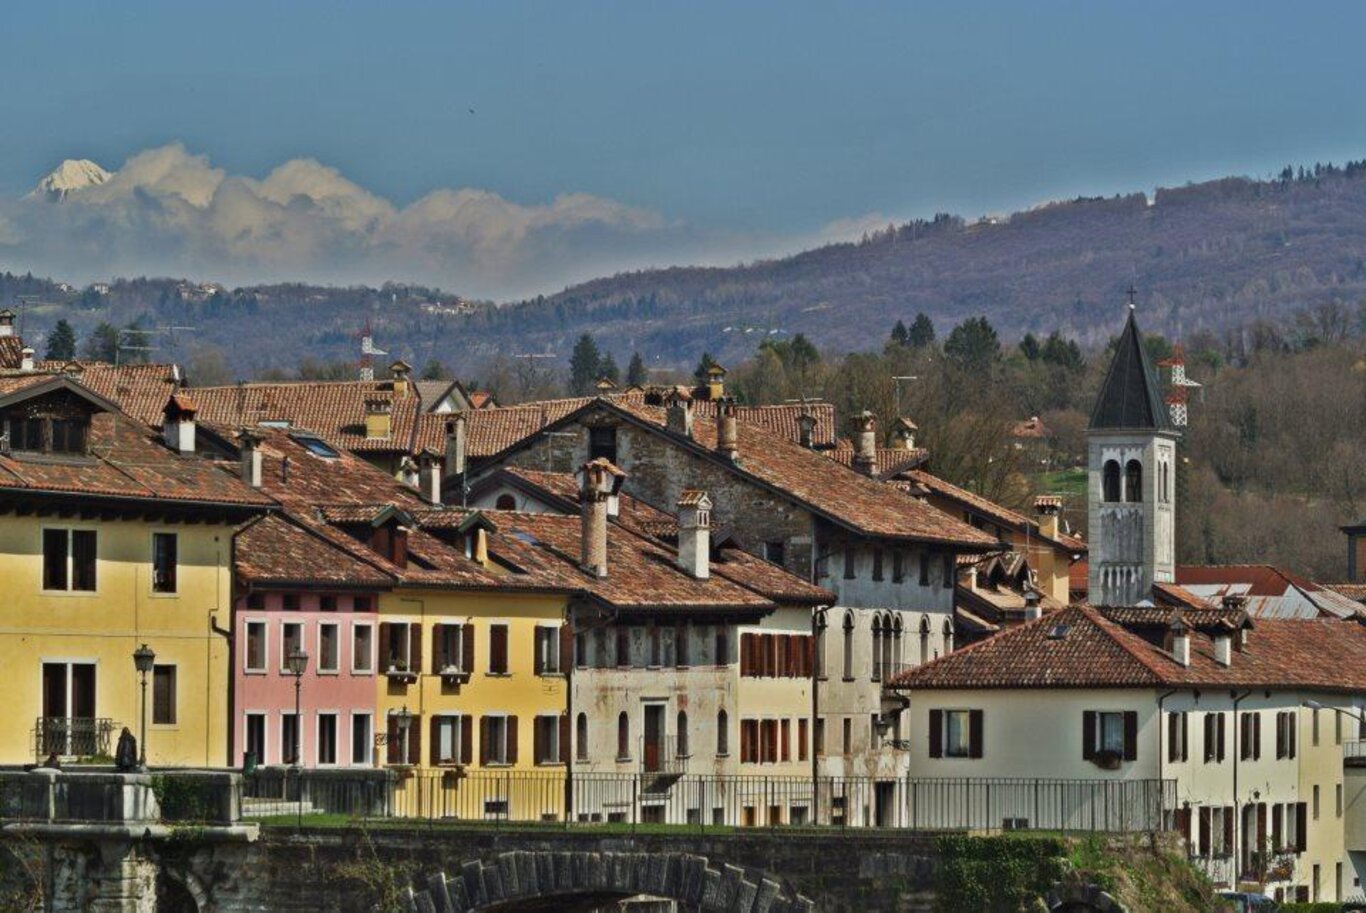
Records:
x=1214, y=256
x=69, y=176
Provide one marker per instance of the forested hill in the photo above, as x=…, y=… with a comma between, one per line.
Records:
x=1207, y=256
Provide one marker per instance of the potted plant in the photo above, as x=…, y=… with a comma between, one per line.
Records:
x=1108, y=759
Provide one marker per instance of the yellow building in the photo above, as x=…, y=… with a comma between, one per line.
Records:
x=110, y=539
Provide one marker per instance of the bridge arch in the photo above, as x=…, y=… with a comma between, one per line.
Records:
x=523, y=880
x=1079, y=897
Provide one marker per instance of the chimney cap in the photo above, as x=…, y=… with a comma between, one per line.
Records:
x=715, y=370
x=400, y=368
x=179, y=406
x=604, y=384
x=694, y=497
x=6, y=317
x=1048, y=504
x=905, y=424
x=677, y=395
x=249, y=437
x=613, y=475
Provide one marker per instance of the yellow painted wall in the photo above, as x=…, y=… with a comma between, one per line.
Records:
x=106, y=626
x=533, y=790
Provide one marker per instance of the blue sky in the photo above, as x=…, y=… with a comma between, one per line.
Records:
x=721, y=130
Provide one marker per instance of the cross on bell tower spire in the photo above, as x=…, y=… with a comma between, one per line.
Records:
x=1133, y=295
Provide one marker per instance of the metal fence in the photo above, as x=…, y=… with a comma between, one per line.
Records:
x=931, y=804
x=72, y=737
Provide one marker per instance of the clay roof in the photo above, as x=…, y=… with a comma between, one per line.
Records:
x=334, y=410
x=890, y=461
x=276, y=551
x=1001, y=515
x=140, y=390
x=1356, y=591
x=1259, y=579
x=11, y=351
x=1131, y=395
x=1080, y=647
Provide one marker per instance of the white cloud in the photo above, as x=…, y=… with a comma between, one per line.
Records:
x=167, y=211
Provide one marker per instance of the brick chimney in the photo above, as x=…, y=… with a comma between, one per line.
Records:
x=429, y=476
x=678, y=413
x=26, y=358
x=599, y=481
x=716, y=382
x=379, y=417
x=1181, y=642
x=455, y=444
x=806, y=430
x=865, y=443
x=1047, y=508
x=178, y=423
x=727, y=432
x=399, y=373
x=250, y=447
x=694, y=533
x=6, y=322
x=904, y=433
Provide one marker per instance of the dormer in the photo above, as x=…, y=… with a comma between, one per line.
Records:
x=50, y=418
x=384, y=529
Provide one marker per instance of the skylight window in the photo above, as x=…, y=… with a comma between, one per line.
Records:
x=275, y=423
x=316, y=446
x=528, y=538
x=1058, y=632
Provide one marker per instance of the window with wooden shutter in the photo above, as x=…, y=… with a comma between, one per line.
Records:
x=563, y=756
x=498, y=649
x=485, y=739
x=415, y=647
x=936, y=733
x=1131, y=735
x=435, y=743
x=538, y=742
x=785, y=740
x=466, y=739
x=1257, y=737
x=1277, y=840
x=746, y=667
x=393, y=749
x=1088, y=735
x=512, y=740
x=1301, y=827
x=1219, y=738
x=1173, y=737
x=623, y=647
x=415, y=741
x=802, y=734
x=623, y=736
x=467, y=648
x=1206, y=823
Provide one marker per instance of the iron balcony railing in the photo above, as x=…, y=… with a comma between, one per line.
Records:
x=1354, y=752
x=664, y=755
x=73, y=737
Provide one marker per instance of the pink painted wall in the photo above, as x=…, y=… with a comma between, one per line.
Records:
x=270, y=693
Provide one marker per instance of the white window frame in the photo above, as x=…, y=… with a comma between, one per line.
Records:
x=265, y=732
x=68, y=590
x=152, y=556
x=336, y=660
x=554, y=727
x=406, y=640
x=284, y=655
x=318, y=738
x=369, y=651
x=548, y=641
x=458, y=653
x=264, y=668
x=369, y=746
x=454, y=720
x=502, y=743
x=950, y=749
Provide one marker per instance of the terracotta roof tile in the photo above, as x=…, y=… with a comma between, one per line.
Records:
x=334, y=410
x=1000, y=514
x=276, y=551
x=891, y=461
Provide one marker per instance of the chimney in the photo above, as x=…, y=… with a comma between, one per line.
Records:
x=250, y=447
x=599, y=480
x=1032, y=610
x=904, y=434
x=865, y=443
x=727, y=432
x=407, y=472
x=6, y=322
x=1235, y=601
x=399, y=372
x=694, y=533
x=1181, y=642
x=178, y=424
x=678, y=414
x=604, y=385
x=429, y=476
x=1047, y=508
x=481, y=546
x=26, y=358
x=1223, y=648
x=379, y=416
x=806, y=430
x=455, y=444
x=716, y=382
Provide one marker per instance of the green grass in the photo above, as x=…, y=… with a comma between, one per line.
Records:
x=1063, y=482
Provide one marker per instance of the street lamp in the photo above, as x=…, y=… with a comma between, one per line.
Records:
x=404, y=719
x=143, y=658
x=297, y=662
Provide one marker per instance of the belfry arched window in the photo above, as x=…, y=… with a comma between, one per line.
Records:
x=1110, y=481
x=1133, y=481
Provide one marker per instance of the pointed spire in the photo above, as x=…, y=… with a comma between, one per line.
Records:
x=1131, y=396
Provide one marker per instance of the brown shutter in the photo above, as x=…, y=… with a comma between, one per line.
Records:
x=537, y=741
x=1301, y=827
x=785, y=740
x=391, y=745
x=498, y=648
x=1228, y=828
x=1173, y=725
x=483, y=741
x=1185, y=736
x=1280, y=736
x=466, y=738
x=1257, y=737
x=1276, y=816
x=975, y=733
x=564, y=740
x=566, y=647
x=1209, y=737
x=537, y=667
x=744, y=654
x=1131, y=735
x=438, y=661
x=435, y=750
x=1292, y=734
x=512, y=740
x=1261, y=828
x=1220, y=738
x=415, y=744
x=1183, y=825
x=803, y=733
x=467, y=649
x=384, y=635
x=936, y=733
x=415, y=646
x=1205, y=825
x=1088, y=735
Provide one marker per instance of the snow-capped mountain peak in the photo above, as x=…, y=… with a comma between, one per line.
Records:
x=69, y=176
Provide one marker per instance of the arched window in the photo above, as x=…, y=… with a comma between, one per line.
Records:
x=1133, y=481
x=924, y=639
x=722, y=733
x=820, y=646
x=897, y=656
x=849, y=645
x=623, y=736
x=505, y=502
x=682, y=733
x=877, y=648
x=581, y=737
x=1166, y=482
x=948, y=636
x=1110, y=481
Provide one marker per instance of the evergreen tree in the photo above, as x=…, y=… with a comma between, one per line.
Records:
x=61, y=342
x=433, y=370
x=899, y=334
x=1062, y=352
x=973, y=343
x=585, y=366
x=636, y=375
x=921, y=333
x=607, y=368
x=1029, y=347
x=700, y=372
x=102, y=344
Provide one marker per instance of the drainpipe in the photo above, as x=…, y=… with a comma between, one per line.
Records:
x=1161, y=727
x=226, y=634
x=817, y=624
x=1237, y=803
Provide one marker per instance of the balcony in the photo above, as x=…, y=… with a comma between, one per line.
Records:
x=73, y=737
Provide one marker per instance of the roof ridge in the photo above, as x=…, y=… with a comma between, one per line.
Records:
x=1112, y=628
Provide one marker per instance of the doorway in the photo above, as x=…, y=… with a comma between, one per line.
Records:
x=884, y=803
x=68, y=727
x=654, y=737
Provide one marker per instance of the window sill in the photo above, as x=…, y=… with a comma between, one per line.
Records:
x=331, y=672
x=498, y=674
x=550, y=674
x=366, y=672
x=848, y=678
x=625, y=760
x=255, y=672
x=163, y=595
x=549, y=763
x=496, y=764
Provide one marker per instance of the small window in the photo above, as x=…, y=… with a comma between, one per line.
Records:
x=446, y=739
x=850, y=563
x=164, y=548
x=316, y=446
x=682, y=652
x=722, y=645
x=498, y=649
x=362, y=648
x=361, y=737
x=623, y=647
x=581, y=737
x=69, y=560
x=1110, y=481
x=327, y=603
x=877, y=564
x=495, y=748
x=289, y=738
x=292, y=637
x=1133, y=481
x=255, y=726
x=957, y=734
x=924, y=569
x=256, y=646
x=722, y=733
x=623, y=737
x=163, y=695
x=327, y=738
x=602, y=443
x=898, y=566
x=546, y=740
x=547, y=650
x=362, y=603
x=775, y=551
x=505, y=502
x=946, y=577
x=1110, y=732
x=682, y=734
x=328, y=647
x=290, y=602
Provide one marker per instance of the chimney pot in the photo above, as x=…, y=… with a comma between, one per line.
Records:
x=905, y=433
x=399, y=373
x=806, y=429
x=716, y=382
x=599, y=481
x=1048, y=508
x=1181, y=643
x=727, y=430
x=6, y=322
x=865, y=443
x=694, y=533
x=455, y=444
x=178, y=424
x=1032, y=609
x=679, y=414
x=26, y=358
x=250, y=446
x=429, y=476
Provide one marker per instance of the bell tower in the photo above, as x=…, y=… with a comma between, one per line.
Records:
x=1131, y=468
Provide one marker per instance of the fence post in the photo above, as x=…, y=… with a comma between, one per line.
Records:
x=635, y=802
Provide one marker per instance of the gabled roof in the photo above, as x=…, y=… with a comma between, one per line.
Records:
x=1003, y=516
x=767, y=459
x=1080, y=647
x=888, y=461
x=141, y=390
x=333, y=410
x=1131, y=395
x=275, y=551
